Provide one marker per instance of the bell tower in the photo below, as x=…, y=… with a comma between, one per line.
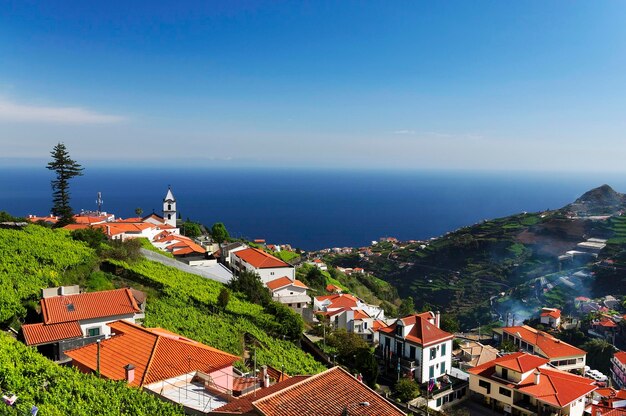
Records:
x=169, y=208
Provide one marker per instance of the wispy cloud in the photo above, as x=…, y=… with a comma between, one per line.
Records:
x=404, y=132
x=21, y=113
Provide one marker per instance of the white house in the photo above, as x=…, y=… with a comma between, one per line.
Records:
x=257, y=261
x=551, y=317
x=330, y=303
x=289, y=292
x=561, y=354
x=319, y=264
x=523, y=384
x=416, y=345
x=70, y=315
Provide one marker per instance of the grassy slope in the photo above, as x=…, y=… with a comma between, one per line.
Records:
x=37, y=257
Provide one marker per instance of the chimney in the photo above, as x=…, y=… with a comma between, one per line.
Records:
x=437, y=319
x=537, y=376
x=130, y=372
x=265, y=378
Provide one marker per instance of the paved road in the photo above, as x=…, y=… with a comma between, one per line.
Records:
x=218, y=272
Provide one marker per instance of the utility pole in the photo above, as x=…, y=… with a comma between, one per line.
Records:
x=98, y=358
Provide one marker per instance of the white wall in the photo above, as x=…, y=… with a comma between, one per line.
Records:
x=101, y=323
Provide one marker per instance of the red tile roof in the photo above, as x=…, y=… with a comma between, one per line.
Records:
x=620, y=356
x=326, y=393
x=521, y=362
x=259, y=259
x=555, y=387
x=243, y=405
x=37, y=334
x=340, y=300
x=378, y=324
x=550, y=346
x=423, y=332
x=332, y=288
x=157, y=354
x=284, y=282
x=552, y=313
x=91, y=305
x=607, y=323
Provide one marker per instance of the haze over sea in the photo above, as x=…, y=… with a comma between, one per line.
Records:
x=310, y=209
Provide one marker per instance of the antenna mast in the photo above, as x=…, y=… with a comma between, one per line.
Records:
x=99, y=201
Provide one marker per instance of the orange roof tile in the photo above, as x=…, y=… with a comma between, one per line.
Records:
x=36, y=334
x=552, y=313
x=555, y=387
x=283, y=282
x=422, y=332
x=359, y=314
x=607, y=323
x=340, y=300
x=328, y=392
x=378, y=324
x=157, y=354
x=550, y=346
x=332, y=288
x=521, y=362
x=259, y=259
x=243, y=405
x=91, y=305
x=620, y=356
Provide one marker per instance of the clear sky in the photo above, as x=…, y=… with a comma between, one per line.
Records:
x=471, y=84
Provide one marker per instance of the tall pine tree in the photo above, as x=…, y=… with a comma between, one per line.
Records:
x=65, y=169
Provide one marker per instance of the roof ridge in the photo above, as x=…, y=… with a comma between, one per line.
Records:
x=152, y=354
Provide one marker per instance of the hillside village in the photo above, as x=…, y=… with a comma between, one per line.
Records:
x=392, y=357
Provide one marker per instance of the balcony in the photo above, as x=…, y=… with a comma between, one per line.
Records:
x=409, y=364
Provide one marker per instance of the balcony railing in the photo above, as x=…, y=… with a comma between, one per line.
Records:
x=410, y=364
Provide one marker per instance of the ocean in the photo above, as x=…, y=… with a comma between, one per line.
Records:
x=309, y=209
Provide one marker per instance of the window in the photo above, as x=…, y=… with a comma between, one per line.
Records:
x=169, y=207
x=364, y=325
x=399, y=330
x=92, y=332
x=387, y=342
x=484, y=384
x=271, y=273
x=443, y=350
x=505, y=392
x=412, y=352
x=443, y=368
x=169, y=216
x=439, y=402
x=505, y=373
x=433, y=353
x=431, y=372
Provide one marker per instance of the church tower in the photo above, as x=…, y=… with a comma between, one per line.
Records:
x=169, y=208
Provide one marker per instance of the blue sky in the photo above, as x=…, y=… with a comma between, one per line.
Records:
x=425, y=85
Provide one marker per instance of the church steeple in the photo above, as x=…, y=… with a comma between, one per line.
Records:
x=169, y=207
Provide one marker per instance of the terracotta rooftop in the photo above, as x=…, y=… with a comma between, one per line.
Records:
x=340, y=300
x=552, y=313
x=243, y=405
x=259, y=259
x=521, y=362
x=620, y=356
x=555, y=387
x=157, y=354
x=90, y=305
x=550, y=346
x=326, y=393
x=422, y=331
x=284, y=282
x=37, y=334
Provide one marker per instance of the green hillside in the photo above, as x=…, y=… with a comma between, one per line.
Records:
x=37, y=257
x=460, y=272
